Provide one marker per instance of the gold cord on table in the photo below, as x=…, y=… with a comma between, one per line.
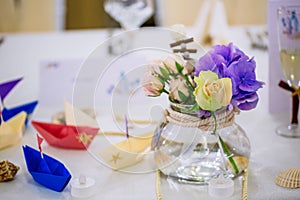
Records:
x=135, y=121
x=111, y=133
x=158, y=183
x=245, y=185
x=115, y=133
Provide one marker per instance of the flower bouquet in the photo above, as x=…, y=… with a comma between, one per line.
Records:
x=199, y=138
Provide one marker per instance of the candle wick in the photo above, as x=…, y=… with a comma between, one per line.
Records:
x=221, y=179
x=82, y=179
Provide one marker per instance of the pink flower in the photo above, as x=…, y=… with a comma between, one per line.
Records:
x=151, y=84
x=178, y=85
x=156, y=67
x=170, y=61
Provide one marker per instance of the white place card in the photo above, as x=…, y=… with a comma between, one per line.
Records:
x=56, y=81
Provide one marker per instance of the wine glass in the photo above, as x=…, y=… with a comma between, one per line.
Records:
x=288, y=22
x=130, y=14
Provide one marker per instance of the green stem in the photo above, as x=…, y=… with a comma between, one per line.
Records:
x=226, y=151
x=215, y=121
x=224, y=146
x=187, y=80
x=165, y=91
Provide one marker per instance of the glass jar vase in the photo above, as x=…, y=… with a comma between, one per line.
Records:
x=193, y=155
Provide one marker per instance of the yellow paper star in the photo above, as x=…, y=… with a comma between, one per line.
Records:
x=84, y=138
x=115, y=158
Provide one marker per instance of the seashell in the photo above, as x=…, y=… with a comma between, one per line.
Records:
x=289, y=178
x=7, y=170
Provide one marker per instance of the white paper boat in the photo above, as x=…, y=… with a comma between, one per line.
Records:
x=77, y=117
x=126, y=153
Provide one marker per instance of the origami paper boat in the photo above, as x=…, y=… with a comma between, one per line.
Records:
x=8, y=113
x=76, y=117
x=6, y=87
x=46, y=170
x=126, y=153
x=11, y=131
x=66, y=136
x=78, y=132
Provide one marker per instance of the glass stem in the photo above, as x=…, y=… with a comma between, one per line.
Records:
x=295, y=98
x=295, y=108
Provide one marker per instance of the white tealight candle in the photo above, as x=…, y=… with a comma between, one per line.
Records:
x=83, y=187
x=220, y=187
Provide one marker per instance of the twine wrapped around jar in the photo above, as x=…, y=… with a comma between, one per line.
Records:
x=224, y=119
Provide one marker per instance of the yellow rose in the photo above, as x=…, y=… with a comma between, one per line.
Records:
x=211, y=92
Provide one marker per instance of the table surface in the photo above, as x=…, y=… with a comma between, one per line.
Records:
x=20, y=55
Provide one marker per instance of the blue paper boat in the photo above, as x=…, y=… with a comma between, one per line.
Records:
x=8, y=113
x=46, y=170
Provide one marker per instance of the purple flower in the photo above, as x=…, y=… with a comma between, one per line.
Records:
x=244, y=83
x=219, y=58
x=203, y=113
x=246, y=101
x=229, y=61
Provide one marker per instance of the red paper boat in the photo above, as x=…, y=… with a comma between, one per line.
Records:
x=66, y=136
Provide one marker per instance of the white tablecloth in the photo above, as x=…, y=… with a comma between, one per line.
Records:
x=20, y=55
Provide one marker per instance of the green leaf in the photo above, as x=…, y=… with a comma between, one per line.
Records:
x=179, y=67
x=164, y=73
x=194, y=108
x=191, y=101
x=167, y=68
x=182, y=96
x=226, y=151
x=161, y=79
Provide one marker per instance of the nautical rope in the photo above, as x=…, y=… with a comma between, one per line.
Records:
x=158, y=185
x=224, y=119
x=245, y=185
